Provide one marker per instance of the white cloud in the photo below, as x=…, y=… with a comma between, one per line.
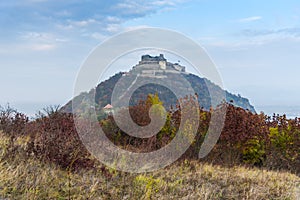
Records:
x=42, y=47
x=83, y=23
x=137, y=8
x=40, y=41
x=64, y=27
x=133, y=8
x=98, y=36
x=113, y=19
x=249, y=19
x=42, y=37
x=291, y=31
x=36, y=36
x=168, y=2
x=113, y=28
x=164, y=3
x=72, y=19
x=131, y=28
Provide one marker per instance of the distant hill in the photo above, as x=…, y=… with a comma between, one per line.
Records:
x=155, y=68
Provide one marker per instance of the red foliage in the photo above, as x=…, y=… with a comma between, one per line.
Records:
x=54, y=137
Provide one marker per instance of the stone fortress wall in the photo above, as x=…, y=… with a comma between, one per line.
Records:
x=157, y=67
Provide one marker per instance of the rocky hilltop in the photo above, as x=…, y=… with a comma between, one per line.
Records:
x=156, y=68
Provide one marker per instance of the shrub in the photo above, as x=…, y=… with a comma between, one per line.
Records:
x=56, y=140
x=285, y=144
x=12, y=122
x=254, y=152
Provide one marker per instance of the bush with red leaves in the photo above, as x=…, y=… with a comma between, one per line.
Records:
x=56, y=140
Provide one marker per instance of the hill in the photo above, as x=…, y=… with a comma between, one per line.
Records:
x=153, y=69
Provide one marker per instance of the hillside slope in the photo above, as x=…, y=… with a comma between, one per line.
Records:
x=103, y=91
x=29, y=178
x=24, y=177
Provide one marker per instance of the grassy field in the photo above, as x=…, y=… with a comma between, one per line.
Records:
x=30, y=178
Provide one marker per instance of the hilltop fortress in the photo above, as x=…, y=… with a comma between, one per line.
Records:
x=157, y=67
x=152, y=69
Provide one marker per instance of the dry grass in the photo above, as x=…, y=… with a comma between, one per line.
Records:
x=31, y=179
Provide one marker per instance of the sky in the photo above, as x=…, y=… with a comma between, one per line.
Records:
x=255, y=44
